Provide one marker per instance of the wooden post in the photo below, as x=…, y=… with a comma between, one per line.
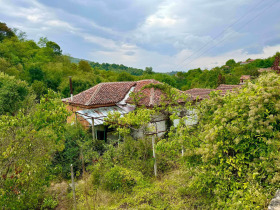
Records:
x=71, y=88
x=119, y=140
x=154, y=155
x=76, y=118
x=92, y=127
x=73, y=187
x=83, y=164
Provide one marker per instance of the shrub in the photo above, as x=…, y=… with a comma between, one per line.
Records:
x=121, y=179
x=237, y=146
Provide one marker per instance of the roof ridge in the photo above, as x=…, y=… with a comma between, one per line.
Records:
x=118, y=82
x=152, y=96
x=147, y=80
x=94, y=94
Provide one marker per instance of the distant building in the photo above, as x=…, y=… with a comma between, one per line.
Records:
x=247, y=62
x=261, y=70
x=244, y=78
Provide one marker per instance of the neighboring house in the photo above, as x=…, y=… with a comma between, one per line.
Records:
x=261, y=70
x=244, y=78
x=199, y=94
x=92, y=106
x=246, y=62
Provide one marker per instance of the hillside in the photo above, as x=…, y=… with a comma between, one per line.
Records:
x=111, y=67
x=217, y=152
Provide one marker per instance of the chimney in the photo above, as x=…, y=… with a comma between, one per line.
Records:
x=71, y=88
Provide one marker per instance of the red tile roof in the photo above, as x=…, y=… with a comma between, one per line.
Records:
x=264, y=70
x=113, y=92
x=149, y=96
x=199, y=93
x=102, y=94
x=245, y=77
x=225, y=88
x=202, y=93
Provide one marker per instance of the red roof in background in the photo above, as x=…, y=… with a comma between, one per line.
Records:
x=201, y=93
x=225, y=88
x=245, y=77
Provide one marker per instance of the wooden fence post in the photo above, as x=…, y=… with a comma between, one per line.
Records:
x=73, y=187
x=92, y=127
x=154, y=155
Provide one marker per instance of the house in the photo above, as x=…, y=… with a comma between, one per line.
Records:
x=92, y=106
x=261, y=70
x=244, y=78
x=199, y=94
x=247, y=62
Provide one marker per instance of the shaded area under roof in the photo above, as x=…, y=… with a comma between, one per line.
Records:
x=99, y=114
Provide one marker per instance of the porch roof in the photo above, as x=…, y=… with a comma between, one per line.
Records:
x=99, y=114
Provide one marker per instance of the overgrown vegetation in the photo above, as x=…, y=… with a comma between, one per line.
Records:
x=230, y=159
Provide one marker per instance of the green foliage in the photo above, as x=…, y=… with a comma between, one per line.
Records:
x=39, y=88
x=49, y=203
x=148, y=70
x=119, y=178
x=55, y=47
x=35, y=73
x=123, y=76
x=5, y=31
x=28, y=141
x=14, y=94
x=84, y=66
x=231, y=63
x=78, y=145
x=238, y=145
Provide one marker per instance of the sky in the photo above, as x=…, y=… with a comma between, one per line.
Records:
x=167, y=35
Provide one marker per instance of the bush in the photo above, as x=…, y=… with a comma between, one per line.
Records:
x=121, y=179
x=237, y=146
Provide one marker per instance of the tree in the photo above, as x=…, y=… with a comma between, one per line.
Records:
x=148, y=70
x=123, y=76
x=28, y=142
x=84, y=66
x=39, y=89
x=221, y=79
x=5, y=32
x=231, y=63
x=35, y=73
x=55, y=47
x=43, y=41
x=14, y=94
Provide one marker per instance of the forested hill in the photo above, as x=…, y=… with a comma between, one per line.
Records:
x=44, y=66
x=112, y=67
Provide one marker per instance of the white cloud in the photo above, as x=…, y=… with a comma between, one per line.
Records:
x=238, y=55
